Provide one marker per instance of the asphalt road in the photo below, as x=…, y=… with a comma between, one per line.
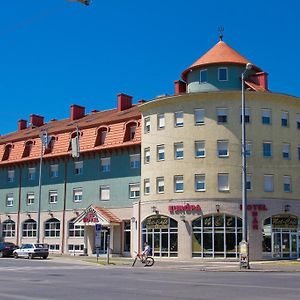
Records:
x=37, y=279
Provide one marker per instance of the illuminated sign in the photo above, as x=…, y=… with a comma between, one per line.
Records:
x=90, y=217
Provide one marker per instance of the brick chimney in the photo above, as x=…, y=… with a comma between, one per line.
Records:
x=261, y=79
x=77, y=112
x=22, y=124
x=36, y=120
x=124, y=102
x=180, y=87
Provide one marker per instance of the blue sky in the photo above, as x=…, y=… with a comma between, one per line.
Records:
x=54, y=53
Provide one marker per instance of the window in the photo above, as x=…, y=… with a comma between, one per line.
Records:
x=75, y=230
x=248, y=148
x=200, y=182
x=249, y=182
x=75, y=248
x=223, y=74
x=134, y=190
x=178, y=183
x=286, y=151
x=105, y=164
x=8, y=228
x=267, y=149
x=268, y=183
x=200, y=149
x=101, y=136
x=10, y=200
x=78, y=167
x=7, y=152
x=147, y=125
x=77, y=195
x=147, y=155
x=223, y=182
x=298, y=121
x=178, y=119
x=126, y=235
x=104, y=192
x=160, y=121
x=160, y=152
x=287, y=184
x=284, y=119
x=29, y=228
x=266, y=116
x=10, y=175
x=147, y=186
x=178, y=150
x=30, y=199
x=222, y=115
x=52, y=197
x=199, y=116
x=54, y=247
x=52, y=228
x=247, y=115
x=53, y=171
x=203, y=76
x=27, y=149
x=135, y=161
x=223, y=149
x=160, y=185
x=132, y=131
x=31, y=173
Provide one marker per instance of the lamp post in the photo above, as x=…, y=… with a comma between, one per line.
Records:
x=244, y=245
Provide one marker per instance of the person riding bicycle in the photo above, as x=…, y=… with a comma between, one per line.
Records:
x=146, y=252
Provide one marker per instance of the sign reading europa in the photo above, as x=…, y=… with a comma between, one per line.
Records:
x=90, y=217
x=184, y=208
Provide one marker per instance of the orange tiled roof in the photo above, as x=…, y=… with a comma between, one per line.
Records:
x=107, y=214
x=221, y=53
x=255, y=86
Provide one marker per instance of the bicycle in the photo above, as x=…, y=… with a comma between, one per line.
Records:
x=148, y=261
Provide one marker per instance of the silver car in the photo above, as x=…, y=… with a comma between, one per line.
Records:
x=31, y=251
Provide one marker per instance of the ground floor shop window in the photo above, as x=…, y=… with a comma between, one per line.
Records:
x=8, y=228
x=161, y=233
x=281, y=236
x=216, y=235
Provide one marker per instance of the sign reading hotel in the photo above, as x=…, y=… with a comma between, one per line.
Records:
x=189, y=208
x=157, y=222
x=90, y=217
x=254, y=209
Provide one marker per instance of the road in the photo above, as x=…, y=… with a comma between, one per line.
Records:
x=37, y=279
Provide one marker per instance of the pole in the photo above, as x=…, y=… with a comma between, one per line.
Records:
x=40, y=190
x=108, y=246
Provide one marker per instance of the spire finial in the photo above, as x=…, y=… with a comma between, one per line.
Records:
x=221, y=30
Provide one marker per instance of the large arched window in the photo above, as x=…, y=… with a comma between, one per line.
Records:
x=29, y=228
x=161, y=233
x=52, y=228
x=8, y=228
x=75, y=230
x=216, y=235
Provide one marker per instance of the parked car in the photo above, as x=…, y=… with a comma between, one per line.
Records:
x=32, y=250
x=7, y=249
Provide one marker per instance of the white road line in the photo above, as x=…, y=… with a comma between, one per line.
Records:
x=21, y=297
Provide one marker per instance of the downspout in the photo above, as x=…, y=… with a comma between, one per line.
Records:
x=64, y=208
x=19, y=206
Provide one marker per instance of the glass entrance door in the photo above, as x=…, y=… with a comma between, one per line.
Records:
x=104, y=239
x=285, y=244
x=294, y=247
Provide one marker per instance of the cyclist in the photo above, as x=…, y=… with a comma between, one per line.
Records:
x=146, y=252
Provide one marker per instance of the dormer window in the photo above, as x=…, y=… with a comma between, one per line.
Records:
x=101, y=136
x=203, y=76
x=27, y=149
x=7, y=152
x=73, y=135
x=130, y=131
x=50, y=145
x=223, y=74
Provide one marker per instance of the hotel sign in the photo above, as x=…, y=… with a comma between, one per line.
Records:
x=284, y=221
x=157, y=222
x=90, y=217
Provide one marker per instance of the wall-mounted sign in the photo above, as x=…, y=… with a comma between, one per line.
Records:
x=284, y=221
x=184, y=208
x=254, y=209
x=157, y=222
x=90, y=217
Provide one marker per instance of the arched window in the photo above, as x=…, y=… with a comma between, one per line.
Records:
x=8, y=228
x=161, y=233
x=101, y=136
x=73, y=135
x=216, y=235
x=27, y=149
x=29, y=228
x=52, y=228
x=7, y=152
x=75, y=230
x=50, y=145
x=130, y=131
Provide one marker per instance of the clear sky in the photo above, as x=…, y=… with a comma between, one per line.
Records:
x=54, y=53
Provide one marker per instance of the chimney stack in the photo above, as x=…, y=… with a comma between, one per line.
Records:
x=77, y=112
x=180, y=87
x=22, y=124
x=36, y=120
x=124, y=102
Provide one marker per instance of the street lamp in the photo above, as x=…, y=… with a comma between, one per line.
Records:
x=244, y=245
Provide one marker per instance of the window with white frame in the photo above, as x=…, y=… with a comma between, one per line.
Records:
x=298, y=121
x=199, y=116
x=223, y=182
x=134, y=190
x=54, y=247
x=135, y=161
x=267, y=149
x=286, y=151
x=147, y=186
x=147, y=125
x=31, y=173
x=78, y=167
x=52, y=197
x=54, y=171
x=161, y=121
x=30, y=199
x=8, y=228
x=203, y=76
x=147, y=155
x=160, y=152
x=248, y=148
x=287, y=184
x=269, y=183
x=249, y=182
x=223, y=148
x=284, y=119
x=10, y=175
x=160, y=185
x=178, y=150
x=104, y=192
x=10, y=200
x=178, y=183
x=200, y=182
x=222, y=115
x=75, y=230
x=247, y=115
x=29, y=228
x=105, y=164
x=223, y=74
x=266, y=115
x=199, y=149
x=178, y=119
x=74, y=248
x=77, y=195
x=52, y=228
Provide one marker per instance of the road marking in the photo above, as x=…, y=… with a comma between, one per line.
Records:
x=21, y=297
